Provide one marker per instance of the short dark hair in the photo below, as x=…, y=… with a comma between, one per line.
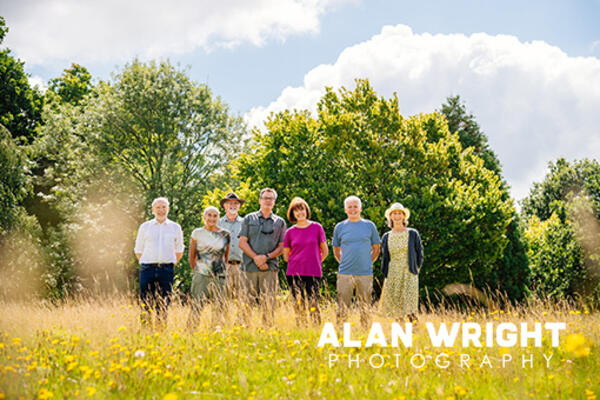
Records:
x=297, y=203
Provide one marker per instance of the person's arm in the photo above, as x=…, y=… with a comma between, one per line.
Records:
x=324, y=250
x=375, y=243
x=277, y=252
x=323, y=244
x=139, y=243
x=279, y=249
x=420, y=253
x=192, y=253
x=259, y=259
x=336, y=243
x=227, y=253
x=287, y=246
x=375, y=252
x=385, y=255
x=337, y=253
x=179, y=247
x=286, y=253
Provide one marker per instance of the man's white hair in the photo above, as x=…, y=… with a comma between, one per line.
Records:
x=211, y=208
x=159, y=199
x=352, y=198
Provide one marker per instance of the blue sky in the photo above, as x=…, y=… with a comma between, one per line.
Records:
x=529, y=71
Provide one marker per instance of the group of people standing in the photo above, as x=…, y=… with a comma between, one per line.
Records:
x=237, y=259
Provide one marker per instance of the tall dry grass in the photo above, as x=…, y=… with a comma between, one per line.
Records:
x=96, y=348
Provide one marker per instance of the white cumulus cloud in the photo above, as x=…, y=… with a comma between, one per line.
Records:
x=88, y=31
x=38, y=81
x=534, y=102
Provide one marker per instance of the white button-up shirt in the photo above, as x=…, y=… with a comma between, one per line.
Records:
x=158, y=242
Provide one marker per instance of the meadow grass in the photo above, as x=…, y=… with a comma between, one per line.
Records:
x=97, y=349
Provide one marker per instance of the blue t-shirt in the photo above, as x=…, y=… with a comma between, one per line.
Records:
x=355, y=240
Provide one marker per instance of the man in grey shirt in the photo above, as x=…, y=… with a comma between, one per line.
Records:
x=261, y=240
x=232, y=222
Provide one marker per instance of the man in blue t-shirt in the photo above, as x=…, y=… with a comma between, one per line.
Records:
x=355, y=246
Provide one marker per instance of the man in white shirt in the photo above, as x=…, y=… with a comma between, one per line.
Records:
x=158, y=247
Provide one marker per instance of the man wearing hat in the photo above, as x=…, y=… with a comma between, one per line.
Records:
x=232, y=222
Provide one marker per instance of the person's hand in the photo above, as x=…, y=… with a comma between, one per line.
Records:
x=260, y=259
x=263, y=267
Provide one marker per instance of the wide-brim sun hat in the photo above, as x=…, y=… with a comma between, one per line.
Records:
x=397, y=207
x=231, y=196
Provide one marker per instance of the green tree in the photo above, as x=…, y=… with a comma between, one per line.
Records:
x=19, y=232
x=20, y=105
x=360, y=144
x=510, y=272
x=564, y=181
x=565, y=207
x=151, y=132
x=15, y=184
x=73, y=85
x=556, y=257
x=469, y=132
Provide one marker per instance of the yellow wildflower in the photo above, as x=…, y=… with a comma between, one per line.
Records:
x=575, y=343
x=44, y=394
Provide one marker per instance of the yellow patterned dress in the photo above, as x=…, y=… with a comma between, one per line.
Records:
x=401, y=288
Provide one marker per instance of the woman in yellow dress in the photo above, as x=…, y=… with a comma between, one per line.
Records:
x=402, y=258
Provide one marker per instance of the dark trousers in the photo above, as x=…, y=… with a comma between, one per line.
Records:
x=156, y=285
x=305, y=289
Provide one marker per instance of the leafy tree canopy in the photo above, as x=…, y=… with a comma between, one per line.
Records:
x=150, y=132
x=20, y=105
x=510, y=272
x=73, y=85
x=563, y=230
x=359, y=144
x=14, y=181
x=564, y=181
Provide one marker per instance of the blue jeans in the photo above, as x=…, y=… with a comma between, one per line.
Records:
x=156, y=285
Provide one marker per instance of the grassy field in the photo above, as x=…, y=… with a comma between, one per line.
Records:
x=96, y=349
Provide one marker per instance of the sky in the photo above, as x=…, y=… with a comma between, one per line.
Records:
x=528, y=71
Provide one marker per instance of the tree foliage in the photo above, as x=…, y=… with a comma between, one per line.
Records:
x=564, y=231
x=469, y=132
x=564, y=181
x=20, y=249
x=151, y=132
x=360, y=144
x=555, y=256
x=73, y=85
x=20, y=104
x=510, y=272
x=15, y=184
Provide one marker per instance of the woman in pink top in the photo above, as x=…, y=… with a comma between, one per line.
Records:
x=304, y=249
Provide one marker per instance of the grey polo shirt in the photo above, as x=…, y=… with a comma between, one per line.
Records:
x=264, y=235
x=235, y=253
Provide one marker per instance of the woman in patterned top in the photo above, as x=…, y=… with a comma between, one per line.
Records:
x=402, y=258
x=209, y=251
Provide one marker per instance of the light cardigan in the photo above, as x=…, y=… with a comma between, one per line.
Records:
x=415, y=252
